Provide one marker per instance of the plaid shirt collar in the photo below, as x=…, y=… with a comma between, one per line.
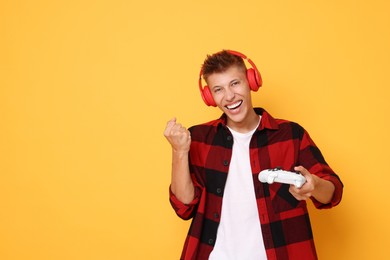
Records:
x=267, y=121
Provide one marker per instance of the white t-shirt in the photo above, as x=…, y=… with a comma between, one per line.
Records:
x=239, y=234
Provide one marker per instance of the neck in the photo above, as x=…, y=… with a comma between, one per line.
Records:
x=246, y=125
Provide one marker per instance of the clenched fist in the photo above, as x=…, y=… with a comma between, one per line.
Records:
x=178, y=136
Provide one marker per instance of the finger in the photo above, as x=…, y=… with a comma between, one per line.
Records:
x=177, y=129
x=302, y=170
x=298, y=195
x=301, y=197
x=299, y=191
x=293, y=190
x=171, y=123
x=294, y=194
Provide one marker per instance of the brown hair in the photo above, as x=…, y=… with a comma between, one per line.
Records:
x=220, y=62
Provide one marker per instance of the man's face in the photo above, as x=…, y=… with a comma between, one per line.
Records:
x=232, y=94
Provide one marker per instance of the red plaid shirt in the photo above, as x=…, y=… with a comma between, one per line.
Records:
x=284, y=220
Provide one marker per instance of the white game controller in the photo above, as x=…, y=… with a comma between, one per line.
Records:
x=278, y=175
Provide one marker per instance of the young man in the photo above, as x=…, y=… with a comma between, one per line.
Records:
x=215, y=168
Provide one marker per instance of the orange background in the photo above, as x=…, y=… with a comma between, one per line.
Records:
x=86, y=88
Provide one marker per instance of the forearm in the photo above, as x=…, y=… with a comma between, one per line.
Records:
x=323, y=191
x=181, y=182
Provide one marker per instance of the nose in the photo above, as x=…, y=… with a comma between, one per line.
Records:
x=229, y=94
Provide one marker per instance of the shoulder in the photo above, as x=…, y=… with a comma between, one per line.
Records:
x=276, y=124
x=291, y=128
x=275, y=120
x=207, y=129
x=283, y=123
x=206, y=126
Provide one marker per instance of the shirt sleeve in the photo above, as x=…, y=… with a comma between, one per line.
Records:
x=312, y=159
x=184, y=211
x=328, y=174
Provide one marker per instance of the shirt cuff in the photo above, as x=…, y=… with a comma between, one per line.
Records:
x=337, y=195
x=184, y=211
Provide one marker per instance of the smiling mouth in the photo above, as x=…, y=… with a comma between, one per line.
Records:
x=234, y=106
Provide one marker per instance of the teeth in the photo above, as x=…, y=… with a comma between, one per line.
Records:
x=235, y=105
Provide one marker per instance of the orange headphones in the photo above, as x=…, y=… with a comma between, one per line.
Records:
x=253, y=76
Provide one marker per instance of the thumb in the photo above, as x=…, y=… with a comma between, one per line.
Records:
x=171, y=122
x=169, y=126
x=302, y=170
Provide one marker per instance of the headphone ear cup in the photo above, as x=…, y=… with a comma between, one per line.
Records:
x=254, y=79
x=208, y=97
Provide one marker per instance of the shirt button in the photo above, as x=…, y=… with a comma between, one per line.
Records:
x=219, y=190
x=211, y=241
x=216, y=215
x=225, y=162
x=229, y=138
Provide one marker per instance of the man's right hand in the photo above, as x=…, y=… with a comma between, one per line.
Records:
x=180, y=139
x=178, y=136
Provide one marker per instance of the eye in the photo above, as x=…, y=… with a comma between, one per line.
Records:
x=216, y=90
x=235, y=83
